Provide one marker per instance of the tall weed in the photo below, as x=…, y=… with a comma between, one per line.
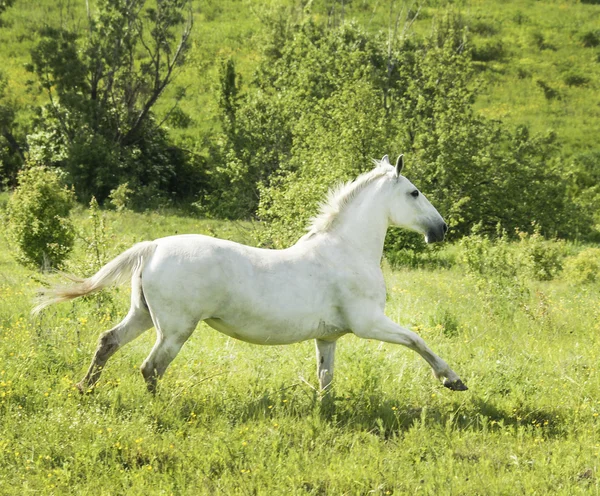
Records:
x=98, y=239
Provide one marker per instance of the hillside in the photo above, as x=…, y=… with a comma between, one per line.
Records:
x=539, y=61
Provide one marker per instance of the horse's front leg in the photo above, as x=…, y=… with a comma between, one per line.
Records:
x=325, y=359
x=384, y=329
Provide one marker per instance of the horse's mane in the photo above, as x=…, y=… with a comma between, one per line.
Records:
x=341, y=195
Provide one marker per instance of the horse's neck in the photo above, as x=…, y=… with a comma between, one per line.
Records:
x=363, y=226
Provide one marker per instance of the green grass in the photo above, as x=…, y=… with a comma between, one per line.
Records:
x=234, y=418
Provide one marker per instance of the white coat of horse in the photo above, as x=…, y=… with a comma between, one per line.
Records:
x=326, y=285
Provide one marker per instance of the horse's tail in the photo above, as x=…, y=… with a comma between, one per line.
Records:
x=116, y=271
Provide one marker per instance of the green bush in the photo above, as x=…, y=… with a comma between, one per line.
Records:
x=38, y=219
x=335, y=143
x=584, y=179
x=120, y=197
x=540, y=259
x=584, y=267
x=104, y=83
x=488, y=51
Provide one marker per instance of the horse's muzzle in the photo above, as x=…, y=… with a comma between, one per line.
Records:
x=436, y=233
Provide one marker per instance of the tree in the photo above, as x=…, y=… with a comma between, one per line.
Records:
x=330, y=99
x=309, y=65
x=11, y=153
x=102, y=93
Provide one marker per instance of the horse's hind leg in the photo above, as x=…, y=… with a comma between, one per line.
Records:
x=135, y=323
x=169, y=340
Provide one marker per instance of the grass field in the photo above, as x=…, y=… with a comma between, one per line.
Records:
x=234, y=418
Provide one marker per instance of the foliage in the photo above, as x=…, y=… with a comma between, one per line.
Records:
x=354, y=120
x=5, y=4
x=584, y=267
x=120, y=197
x=329, y=99
x=407, y=249
x=11, y=153
x=524, y=52
x=584, y=182
x=102, y=88
x=591, y=38
x=98, y=241
x=38, y=224
x=99, y=244
x=503, y=269
x=542, y=260
x=465, y=163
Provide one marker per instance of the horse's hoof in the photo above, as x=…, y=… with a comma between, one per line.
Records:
x=82, y=388
x=457, y=385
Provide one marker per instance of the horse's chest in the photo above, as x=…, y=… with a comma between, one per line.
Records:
x=363, y=288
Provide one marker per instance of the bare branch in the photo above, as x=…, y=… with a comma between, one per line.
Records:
x=160, y=81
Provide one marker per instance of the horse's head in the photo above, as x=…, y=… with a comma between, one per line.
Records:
x=409, y=208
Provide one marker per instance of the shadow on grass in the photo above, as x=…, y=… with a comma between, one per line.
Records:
x=474, y=414
x=374, y=413
x=386, y=418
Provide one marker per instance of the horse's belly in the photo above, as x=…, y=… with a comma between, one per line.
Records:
x=270, y=334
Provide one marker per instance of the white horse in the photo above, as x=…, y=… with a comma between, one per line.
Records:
x=326, y=285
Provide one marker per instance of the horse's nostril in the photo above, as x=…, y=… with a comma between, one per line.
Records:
x=445, y=228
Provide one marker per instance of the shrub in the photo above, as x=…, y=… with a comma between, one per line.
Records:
x=335, y=143
x=38, y=219
x=120, y=197
x=584, y=175
x=328, y=100
x=540, y=259
x=584, y=267
x=549, y=92
x=484, y=28
x=404, y=248
x=104, y=83
x=539, y=40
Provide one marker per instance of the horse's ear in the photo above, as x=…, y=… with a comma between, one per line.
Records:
x=399, y=164
x=385, y=160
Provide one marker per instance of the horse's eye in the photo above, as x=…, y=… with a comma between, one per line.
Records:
x=415, y=193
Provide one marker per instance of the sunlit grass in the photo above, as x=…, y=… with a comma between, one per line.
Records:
x=234, y=418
